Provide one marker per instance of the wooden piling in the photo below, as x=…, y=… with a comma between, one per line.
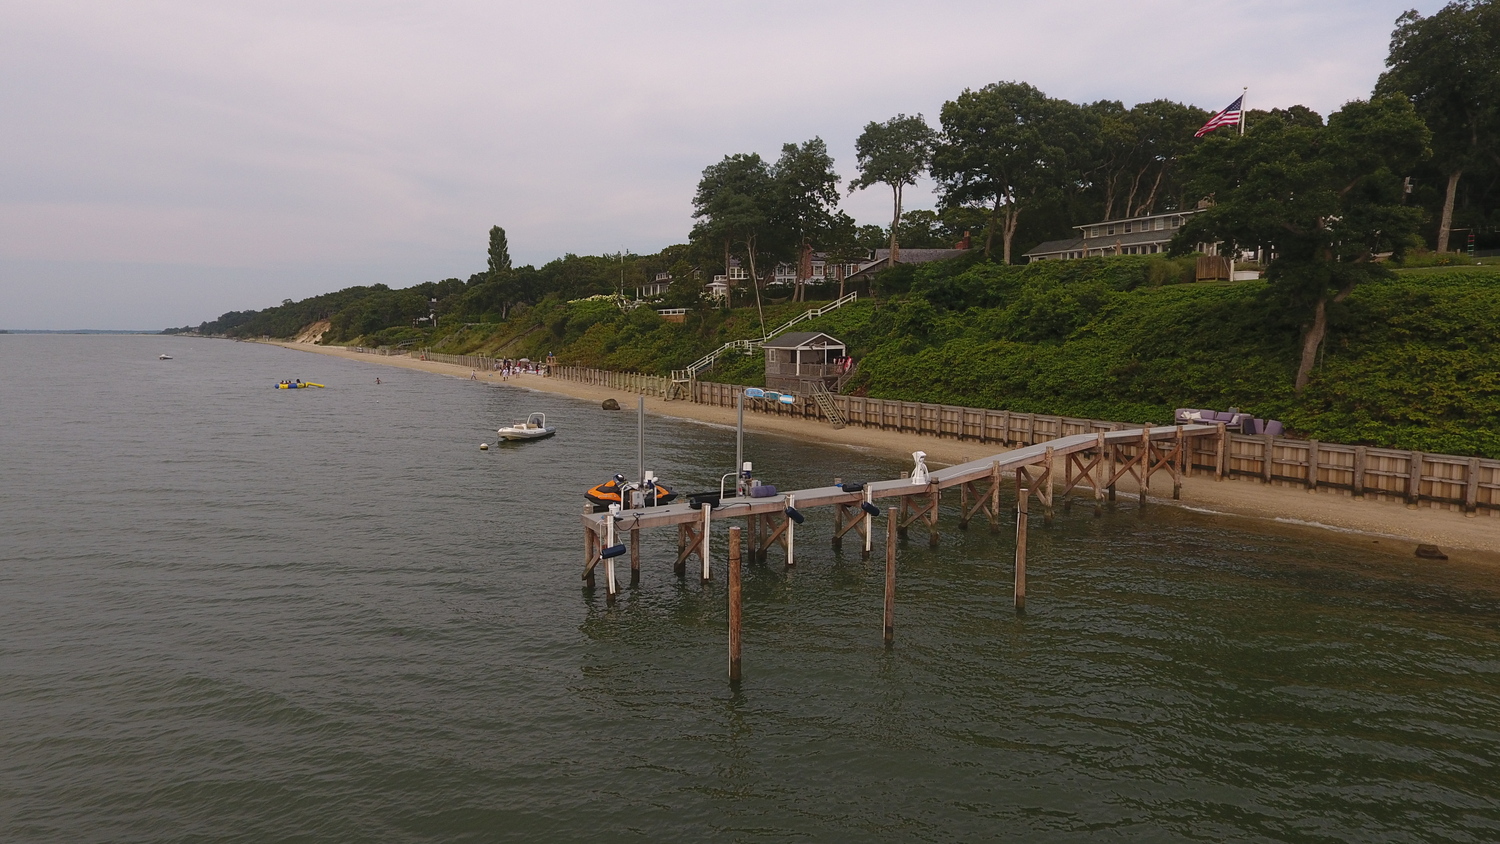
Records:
x=1221, y=456
x=635, y=557
x=1176, y=464
x=590, y=550
x=1414, y=480
x=1145, y=462
x=791, y=533
x=1021, y=512
x=1268, y=464
x=936, y=496
x=1359, y=471
x=994, y=513
x=1098, y=481
x=1312, y=465
x=1045, y=492
x=680, y=567
x=612, y=586
x=734, y=604
x=1471, y=488
x=707, y=521
x=890, y=576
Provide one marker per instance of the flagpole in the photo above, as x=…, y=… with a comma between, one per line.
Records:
x=1244, y=112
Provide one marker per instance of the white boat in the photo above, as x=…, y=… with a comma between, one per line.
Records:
x=163, y=357
x=534, y=428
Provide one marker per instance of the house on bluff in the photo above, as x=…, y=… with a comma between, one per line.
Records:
x=800, y=361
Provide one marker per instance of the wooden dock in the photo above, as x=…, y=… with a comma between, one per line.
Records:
x=1095, y=462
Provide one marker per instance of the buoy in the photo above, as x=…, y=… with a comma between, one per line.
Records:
x=484, y=446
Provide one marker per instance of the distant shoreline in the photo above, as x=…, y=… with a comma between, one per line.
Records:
x=1329, y=513
x=147, y=332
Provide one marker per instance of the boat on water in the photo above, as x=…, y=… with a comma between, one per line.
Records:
x=163, y=357
x=616, y=490
x=296, y=385
x=534, y=428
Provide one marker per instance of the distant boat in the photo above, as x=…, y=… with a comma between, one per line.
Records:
x=163, y=357
x=296, y=385
x=534, y=428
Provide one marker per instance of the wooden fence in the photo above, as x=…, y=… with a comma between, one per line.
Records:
x=1440, y=480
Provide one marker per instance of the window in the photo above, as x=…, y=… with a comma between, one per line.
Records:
x=1094, y=232
x=1159, y=223
x=1174, y=222
x=1110, y=230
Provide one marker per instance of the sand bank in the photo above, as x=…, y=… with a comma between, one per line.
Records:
x=1366, y=520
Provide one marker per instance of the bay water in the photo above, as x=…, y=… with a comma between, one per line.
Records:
x=235, y=613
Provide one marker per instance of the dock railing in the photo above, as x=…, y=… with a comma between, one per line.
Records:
x=1470, y=484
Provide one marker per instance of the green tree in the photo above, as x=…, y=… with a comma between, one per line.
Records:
x=1008, y=147
x=805, y=197
x=1448, y=64
x=1324, y=200
x=893, y=153
x=499, y=251
x=733, y=205
x=1135, y=168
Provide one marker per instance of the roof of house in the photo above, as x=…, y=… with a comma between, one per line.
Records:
x=801, y=340
x=1101, y=242
x=920, y=256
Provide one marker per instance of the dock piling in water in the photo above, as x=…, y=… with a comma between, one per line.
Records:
x=890, y=576
x=734, y=604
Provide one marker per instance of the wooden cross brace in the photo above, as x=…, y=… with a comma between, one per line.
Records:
x=987, y=503
x=844, y=521
x=768, y=533
x=689, y=544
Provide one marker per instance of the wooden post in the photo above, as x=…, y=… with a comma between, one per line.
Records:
x=635, y=557
x=707, y=520
x=995, y=496
x=838, y=525
x=1044, y=494
x=869, y=523
x=1269, y=461
x=1414, y=479
x=1021, y=509
x=590, y=548
x=791, y=533
x=1099, y=481
x=1145, y=462
x=1177, y=462
x=680, y=567
x=1471, y=488
x=905, y=505
x=1221, y=458
x=1359, y=471
x=609, y=564
x=963, y=505
x=734, y=604
x=890, y=576
x=1312, y=465
x=1109, y=475
x=934, y=495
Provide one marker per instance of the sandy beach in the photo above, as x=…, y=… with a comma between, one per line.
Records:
x=1332, y=513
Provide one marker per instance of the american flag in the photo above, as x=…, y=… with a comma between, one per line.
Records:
x=1228, y=117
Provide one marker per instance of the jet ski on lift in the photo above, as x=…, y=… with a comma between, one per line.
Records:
x=617, y=490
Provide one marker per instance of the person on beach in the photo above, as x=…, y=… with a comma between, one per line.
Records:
x=473, y=376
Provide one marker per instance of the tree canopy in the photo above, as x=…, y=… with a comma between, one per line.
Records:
x=1324, y=200
x=893, y=153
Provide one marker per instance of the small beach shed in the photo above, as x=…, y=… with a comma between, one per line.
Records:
x=798, y=360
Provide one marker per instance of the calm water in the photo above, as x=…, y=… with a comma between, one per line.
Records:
x=238, y=614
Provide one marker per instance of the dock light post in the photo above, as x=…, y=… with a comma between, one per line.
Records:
x=741, y=468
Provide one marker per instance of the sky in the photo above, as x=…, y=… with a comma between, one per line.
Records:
x=164, y=162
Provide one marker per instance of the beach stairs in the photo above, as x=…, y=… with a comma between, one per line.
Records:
x=826, y=404
x=749, y=347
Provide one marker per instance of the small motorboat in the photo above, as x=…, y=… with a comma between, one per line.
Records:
x=163, y=357
x=296, y=385
x=534, y=428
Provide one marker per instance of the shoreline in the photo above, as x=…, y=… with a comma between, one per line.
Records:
x=1332, y=514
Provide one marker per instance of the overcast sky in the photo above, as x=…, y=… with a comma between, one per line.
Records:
x=164, y=162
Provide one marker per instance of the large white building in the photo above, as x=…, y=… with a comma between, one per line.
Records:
x=1144, y=235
